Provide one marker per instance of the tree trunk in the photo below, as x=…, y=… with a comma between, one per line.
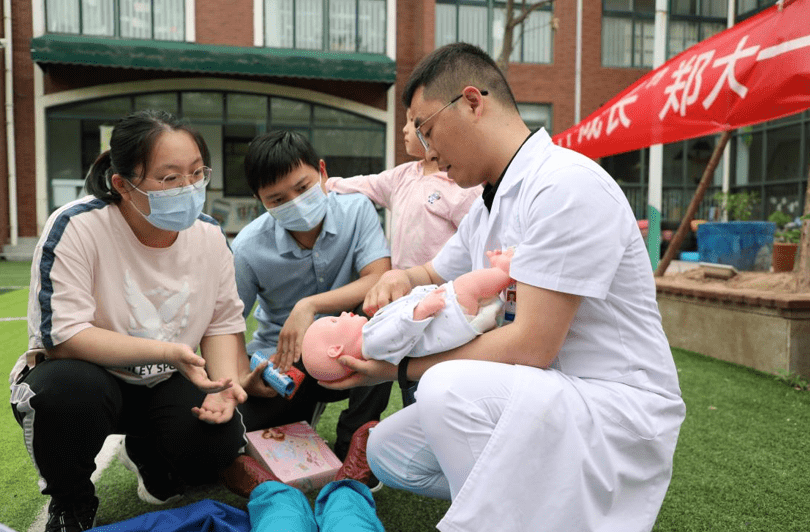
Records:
x=677, y=240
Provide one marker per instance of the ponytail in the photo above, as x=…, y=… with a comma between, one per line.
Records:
x=99, y=179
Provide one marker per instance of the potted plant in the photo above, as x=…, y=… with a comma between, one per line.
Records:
x=785, y=241
x=744, y=244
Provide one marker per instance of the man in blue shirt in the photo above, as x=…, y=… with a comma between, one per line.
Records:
x=312, y=254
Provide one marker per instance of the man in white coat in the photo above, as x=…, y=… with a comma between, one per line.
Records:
x=567, y=418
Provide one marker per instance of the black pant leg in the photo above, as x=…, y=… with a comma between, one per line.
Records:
x=366, y=404
x=66, y=409
x=196, y=450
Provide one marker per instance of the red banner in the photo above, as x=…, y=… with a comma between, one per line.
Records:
x=755, y=71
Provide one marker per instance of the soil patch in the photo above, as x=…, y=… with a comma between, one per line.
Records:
x=783, y=283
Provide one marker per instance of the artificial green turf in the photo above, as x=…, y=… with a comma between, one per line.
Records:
x=20, y=500
x=14, y=273
x=741, y=462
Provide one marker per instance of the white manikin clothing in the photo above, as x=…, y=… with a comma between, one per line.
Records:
x=392, y=334
x=586, y=445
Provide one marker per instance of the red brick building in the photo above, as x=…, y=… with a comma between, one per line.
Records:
x=333, y=69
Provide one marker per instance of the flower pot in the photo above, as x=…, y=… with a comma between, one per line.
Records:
x=784, y=254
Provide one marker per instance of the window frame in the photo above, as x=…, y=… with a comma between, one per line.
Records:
x=491, y=7
x=116, y=20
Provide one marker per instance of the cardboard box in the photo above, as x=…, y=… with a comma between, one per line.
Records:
x=296, y=454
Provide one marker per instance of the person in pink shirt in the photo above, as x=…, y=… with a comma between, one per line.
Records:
x=426, y=205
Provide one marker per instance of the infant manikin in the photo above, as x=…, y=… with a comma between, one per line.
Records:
x=430, y=319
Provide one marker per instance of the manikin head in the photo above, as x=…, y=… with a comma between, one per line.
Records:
x=329, y=338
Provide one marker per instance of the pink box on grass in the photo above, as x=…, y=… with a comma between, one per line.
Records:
x=296, y=454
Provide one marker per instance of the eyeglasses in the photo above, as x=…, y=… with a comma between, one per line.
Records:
x=421, y=137
x=172, y=184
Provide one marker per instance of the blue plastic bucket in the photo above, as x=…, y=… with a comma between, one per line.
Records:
x=744, y=245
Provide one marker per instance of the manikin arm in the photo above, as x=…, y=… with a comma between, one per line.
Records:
x=430, y=305
x=480, y=285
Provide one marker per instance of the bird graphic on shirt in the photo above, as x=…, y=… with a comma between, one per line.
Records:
x=147, y=321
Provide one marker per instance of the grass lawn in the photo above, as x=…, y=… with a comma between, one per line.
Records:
x=741, y=461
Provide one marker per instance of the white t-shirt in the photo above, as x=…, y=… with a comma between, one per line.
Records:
x=90, y=270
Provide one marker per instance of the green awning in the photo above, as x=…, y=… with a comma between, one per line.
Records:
x=213, y=59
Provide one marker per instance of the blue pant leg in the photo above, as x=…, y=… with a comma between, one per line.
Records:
x=277, y=507
x=346, y=506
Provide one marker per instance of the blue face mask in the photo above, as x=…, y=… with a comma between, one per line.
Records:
x=302, y=213
x=174, y=209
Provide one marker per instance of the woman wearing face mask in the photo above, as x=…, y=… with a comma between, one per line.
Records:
x=126, y=284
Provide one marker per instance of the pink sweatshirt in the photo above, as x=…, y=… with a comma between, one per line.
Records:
x=426, y=209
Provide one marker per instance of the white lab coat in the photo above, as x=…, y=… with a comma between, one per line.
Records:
x=586, y=445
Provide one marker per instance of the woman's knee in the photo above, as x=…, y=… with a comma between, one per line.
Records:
x=73, y=385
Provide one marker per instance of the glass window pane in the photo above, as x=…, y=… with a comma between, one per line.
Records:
x=247, y=108
x=536, y=115
x=164, y=101
x=309, y=24
x=170, y=20
x=62, y=15
x=202, y=105
x=644, y=6
x=673, y=164
x=278, y=23
x=684, y=7
x=472, y=25
x=708, y=29
x=371, y=26
x=644, y=43
x=108, y=108
x=537, y=38
x=326, y=116
x=342, y=19
x=617, y=39
x=285, y=112
x=784, y=154
x=235, y=146
x=617, y=5
x=682, y=35
x=784, y=198
x=714, y=8
x=136, y=18
x=445, y=24
x=97, y=17
x=350, y=152
x=748, y=157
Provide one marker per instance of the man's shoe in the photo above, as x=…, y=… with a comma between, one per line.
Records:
x=355, y=466
x=244, y=474
x=74, y=516
x=156, y=485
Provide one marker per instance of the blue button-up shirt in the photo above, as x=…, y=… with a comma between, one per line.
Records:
x=271, y=267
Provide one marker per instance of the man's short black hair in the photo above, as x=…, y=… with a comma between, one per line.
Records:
x=275, y=154
x=447, y=70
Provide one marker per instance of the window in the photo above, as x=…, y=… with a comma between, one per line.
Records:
x=628, y=33
x=162, y=20
x=333, y=25
x=536, y=115
x=349, y=143
x=692, y=21
x=747, y=8
x=481, y=22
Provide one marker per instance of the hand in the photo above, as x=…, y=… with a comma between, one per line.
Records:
x=219, y=407
x=254, y=384
x=192, y=367
x=430, y=305
x=501, y=259
x=365, y=373
x=392, y=285
x=291, y=336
